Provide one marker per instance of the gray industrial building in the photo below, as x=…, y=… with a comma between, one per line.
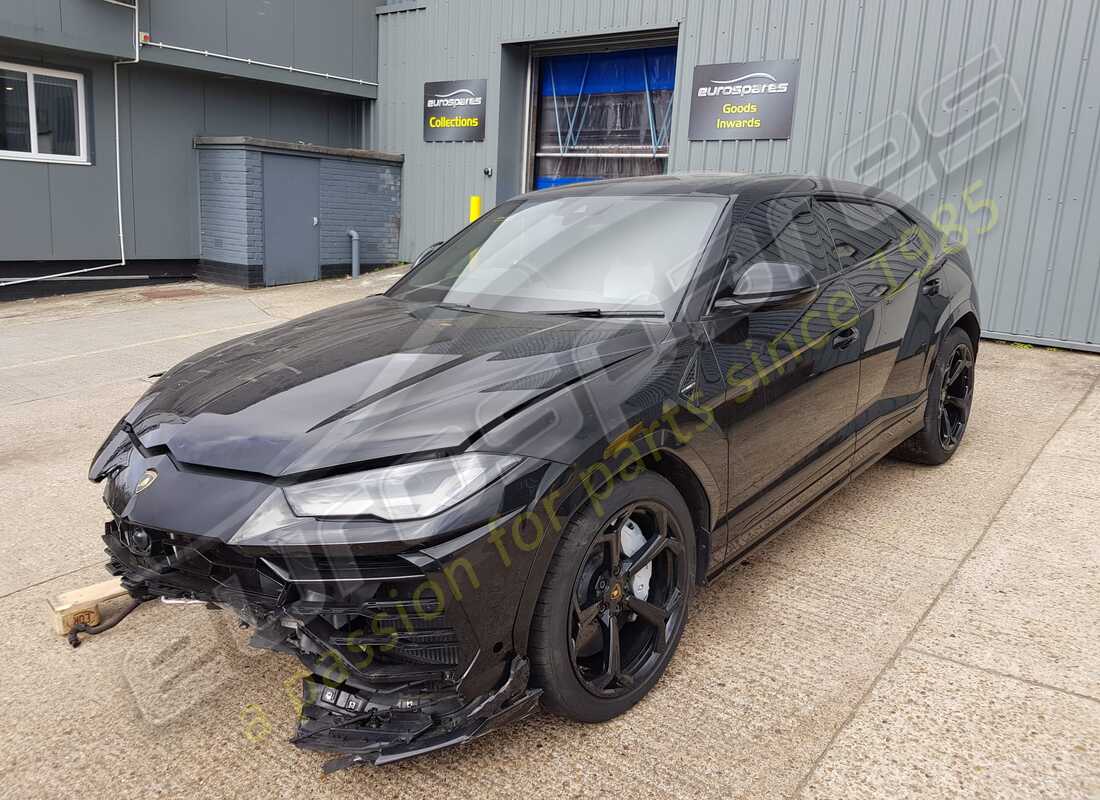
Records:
x=985, y=113
x=197, y=76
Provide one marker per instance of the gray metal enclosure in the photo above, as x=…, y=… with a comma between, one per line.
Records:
x=985, y=113
x=274, y=212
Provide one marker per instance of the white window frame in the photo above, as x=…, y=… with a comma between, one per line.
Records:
x=81, y=117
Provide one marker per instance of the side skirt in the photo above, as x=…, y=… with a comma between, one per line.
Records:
x=906, y=420
x=793, y=518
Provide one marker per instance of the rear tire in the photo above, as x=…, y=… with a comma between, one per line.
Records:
x=587, y=671
x=950, y=395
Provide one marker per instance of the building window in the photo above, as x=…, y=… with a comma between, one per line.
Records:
x=42, y=115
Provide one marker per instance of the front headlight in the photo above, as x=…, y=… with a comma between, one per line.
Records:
x=406, y=491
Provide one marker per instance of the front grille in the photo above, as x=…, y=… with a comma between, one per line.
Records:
x=395, y=637
x=326, y=568
x=371, y=611
x=175, y=565
x=393, y=627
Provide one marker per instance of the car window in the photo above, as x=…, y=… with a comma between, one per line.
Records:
x=863, y=230
x=897, y=222
x=781, y=230
x=616, y=253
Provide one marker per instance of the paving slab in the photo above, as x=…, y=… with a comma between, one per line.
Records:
x=1027, y=602
x=52, y=512
x=1078, y=438
x=1068, y=473
x=124, y=330
x=937, y=729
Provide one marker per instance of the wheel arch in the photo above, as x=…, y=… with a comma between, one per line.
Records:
x=963, y=315
x=969, y=323
x=683, y=478
x=663, y=461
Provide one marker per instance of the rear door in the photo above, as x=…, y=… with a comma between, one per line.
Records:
x=883, y=255
x=795, y=367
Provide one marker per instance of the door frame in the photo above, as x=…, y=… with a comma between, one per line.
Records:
x=636, y=40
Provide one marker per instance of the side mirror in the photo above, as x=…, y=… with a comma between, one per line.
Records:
x=427, y=252
x=768, y=283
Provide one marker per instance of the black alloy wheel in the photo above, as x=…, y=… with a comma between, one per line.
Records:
x=627, y=598
x=615, y=599
x=947, y=410
x=955, y=391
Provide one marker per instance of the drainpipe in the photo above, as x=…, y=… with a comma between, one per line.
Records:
x=118, y=133
x=354, y=234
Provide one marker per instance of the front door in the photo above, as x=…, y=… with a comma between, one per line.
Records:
x=292, y=209
x=792, y=373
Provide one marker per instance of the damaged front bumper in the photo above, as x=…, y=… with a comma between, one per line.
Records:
x=397, y=667
x=368, y=730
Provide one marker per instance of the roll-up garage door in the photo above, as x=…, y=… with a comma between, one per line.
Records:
x=603, y=115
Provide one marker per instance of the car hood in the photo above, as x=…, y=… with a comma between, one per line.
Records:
x=367, y=381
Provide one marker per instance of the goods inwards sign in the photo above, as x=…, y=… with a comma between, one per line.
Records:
x=747, y=100
x=454, y=111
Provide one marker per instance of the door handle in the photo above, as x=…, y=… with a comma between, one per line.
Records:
x=931, y=287
x=315, y=221
x=845, y=338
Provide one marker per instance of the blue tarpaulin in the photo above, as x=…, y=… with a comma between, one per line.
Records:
x=549, y=183
x=609, y=73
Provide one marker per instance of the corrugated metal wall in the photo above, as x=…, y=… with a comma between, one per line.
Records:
x=455, y=39
x=922, y=96
x=880, y=68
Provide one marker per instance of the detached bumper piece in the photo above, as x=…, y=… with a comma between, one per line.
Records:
x=388, y=660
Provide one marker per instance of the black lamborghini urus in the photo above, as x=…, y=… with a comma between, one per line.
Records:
x=500, y=483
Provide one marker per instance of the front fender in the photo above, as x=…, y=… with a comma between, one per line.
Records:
x=666, y=443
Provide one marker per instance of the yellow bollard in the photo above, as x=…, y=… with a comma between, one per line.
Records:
x=475, y=207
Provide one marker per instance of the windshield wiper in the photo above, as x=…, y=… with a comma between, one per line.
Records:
x=561, y=312
x=599, y=312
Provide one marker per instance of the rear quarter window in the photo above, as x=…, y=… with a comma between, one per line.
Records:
x=861, y=230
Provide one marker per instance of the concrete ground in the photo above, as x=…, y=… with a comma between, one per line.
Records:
x=931, y=632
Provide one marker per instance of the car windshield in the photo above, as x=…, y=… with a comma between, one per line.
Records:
x=585, y=254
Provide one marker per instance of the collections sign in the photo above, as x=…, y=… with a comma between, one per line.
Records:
x=454, y=111
x=750, y=100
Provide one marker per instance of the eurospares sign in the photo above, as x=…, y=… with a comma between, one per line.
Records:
x=454, y=111
x=747, y=100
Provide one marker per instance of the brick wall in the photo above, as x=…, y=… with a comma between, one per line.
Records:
x=231, y=224
x=365, y=196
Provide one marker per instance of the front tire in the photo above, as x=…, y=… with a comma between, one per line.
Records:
x=950, y=395
x=614, y=602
